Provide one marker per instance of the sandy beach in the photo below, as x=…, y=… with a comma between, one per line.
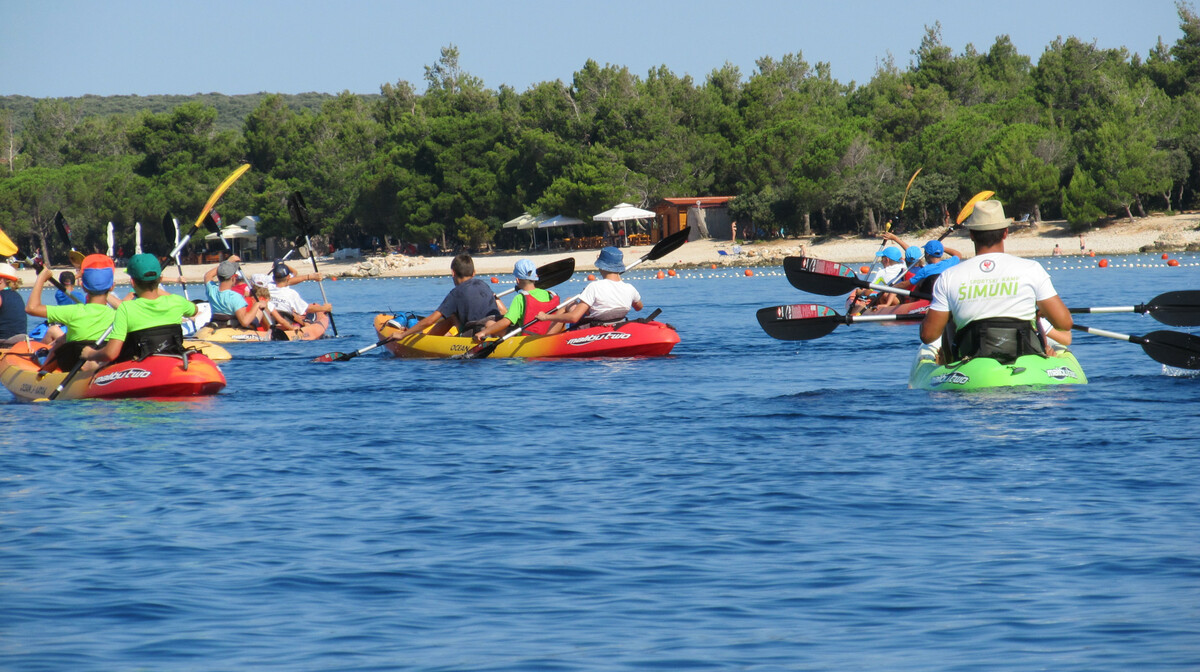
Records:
x=1155, y=233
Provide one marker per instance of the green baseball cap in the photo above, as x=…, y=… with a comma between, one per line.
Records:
x=144, y=267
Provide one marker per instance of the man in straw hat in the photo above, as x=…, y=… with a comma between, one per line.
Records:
x=993, y=298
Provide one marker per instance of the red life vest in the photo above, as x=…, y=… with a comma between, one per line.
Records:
x=533, y=307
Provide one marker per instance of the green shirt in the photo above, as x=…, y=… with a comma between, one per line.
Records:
x=84, y=321
x=138, y=314
x=516, y=310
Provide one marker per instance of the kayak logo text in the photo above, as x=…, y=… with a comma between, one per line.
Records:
x=1061, y=373
x=121, y=375
x=606, y=336
x=955, y=378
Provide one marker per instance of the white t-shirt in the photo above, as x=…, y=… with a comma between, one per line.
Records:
x=992, y=285
x=886, y=276
x=286, y=298
x=609, y=300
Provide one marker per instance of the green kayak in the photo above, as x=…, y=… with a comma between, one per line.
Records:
x=983, y=373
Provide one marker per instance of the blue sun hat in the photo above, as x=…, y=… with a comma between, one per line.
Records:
x=97, y=272
x=525, y=270
x=611, y=260
x=892, y=253
x=934, y=248
x=913, y=254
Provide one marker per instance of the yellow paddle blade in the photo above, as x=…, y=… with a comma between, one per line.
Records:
x=909, y=186
x=7, y=247
x=216, y=195
x=970, y=206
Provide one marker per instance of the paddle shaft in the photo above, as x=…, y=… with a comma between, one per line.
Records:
x=312, y=256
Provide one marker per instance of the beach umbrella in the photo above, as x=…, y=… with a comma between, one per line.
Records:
x=623, y=212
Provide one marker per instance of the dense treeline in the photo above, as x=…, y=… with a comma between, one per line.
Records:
x=1085, y=134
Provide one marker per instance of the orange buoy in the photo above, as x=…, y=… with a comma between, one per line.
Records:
x=749, y=272
x=1173, y=262
x=864, y=269
x=1091, y=253
x=495, y=280
x=714, y=266
x=333, y=277
x=1166, y=256
x=591, y=277
x=671, y=272
x=660, y=275
x=1103, y=263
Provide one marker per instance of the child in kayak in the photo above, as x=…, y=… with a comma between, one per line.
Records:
x=471, y=305
x=149, y=324
x=529, y=302
x=603, y=301
x=85, y=322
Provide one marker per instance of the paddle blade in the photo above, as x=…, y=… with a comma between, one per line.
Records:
x=668, y=244
x=1178, y=309
x=970, y=206
x=7, y=247
x=1173, y=348
x=331, y=357
x=299, y=213
x=798, y=322
x=168, y=229
x=64, y=231
x=907, y=187
x=555, y=273
x=818, y=276
x=220, y=191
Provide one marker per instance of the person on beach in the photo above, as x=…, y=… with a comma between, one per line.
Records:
x=529, y=301
x=470, y=306
x=1057, y=252
x=994, y=299
x=148, y=324
x=604, y=301
x=85, y=321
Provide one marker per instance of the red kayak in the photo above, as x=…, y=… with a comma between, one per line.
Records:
x=157, y=376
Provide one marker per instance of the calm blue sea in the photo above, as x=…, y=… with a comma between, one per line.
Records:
x=746, y=504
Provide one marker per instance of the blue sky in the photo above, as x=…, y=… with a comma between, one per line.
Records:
x=72, y=47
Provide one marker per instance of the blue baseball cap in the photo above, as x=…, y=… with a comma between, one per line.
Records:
x=97, y=273
x=913, y=253
x=525, y=270
x=892, y=253
x=934, y=248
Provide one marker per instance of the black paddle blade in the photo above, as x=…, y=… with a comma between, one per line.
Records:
x=1178, y=309
x=555, y=273
x=1173, y=348
x=798, y=322
x=483, y=350
x=64, y=231
x=299, y=213
x=668, y=244
x=168, y=229
x=817, y=276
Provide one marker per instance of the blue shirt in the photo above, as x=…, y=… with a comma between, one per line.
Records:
x=470, y=301
x=932, y=269
x=61, y=298
x=223, y=301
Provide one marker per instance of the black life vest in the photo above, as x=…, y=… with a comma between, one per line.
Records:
x=1003, y=339
x=166, y=339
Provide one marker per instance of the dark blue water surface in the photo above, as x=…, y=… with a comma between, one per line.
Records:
x=746, y=504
